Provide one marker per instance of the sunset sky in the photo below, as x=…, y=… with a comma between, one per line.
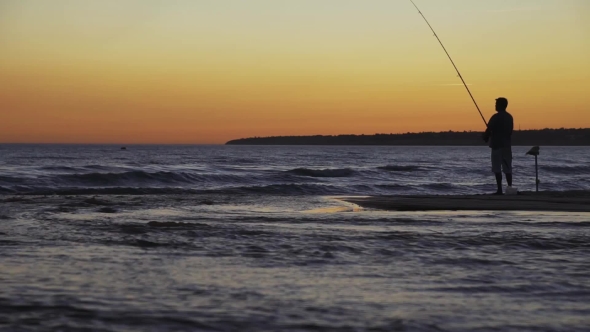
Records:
x=207, y=71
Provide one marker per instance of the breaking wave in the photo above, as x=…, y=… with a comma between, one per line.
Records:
x=399, y=168
x=439, y=186
x=134, y=178
x=323, y=173
x=567, y=170
x=82, y=169
x=274, y=189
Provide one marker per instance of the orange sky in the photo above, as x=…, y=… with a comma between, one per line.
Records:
x=155, y=71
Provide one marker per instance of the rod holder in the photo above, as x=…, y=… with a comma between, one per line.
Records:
x=534, y=151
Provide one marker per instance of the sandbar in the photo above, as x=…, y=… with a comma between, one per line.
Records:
x=563, y=201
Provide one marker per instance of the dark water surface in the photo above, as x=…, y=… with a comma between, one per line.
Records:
x=220, y=238
x=290, y=170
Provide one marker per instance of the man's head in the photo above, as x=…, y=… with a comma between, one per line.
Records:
x=501, y=104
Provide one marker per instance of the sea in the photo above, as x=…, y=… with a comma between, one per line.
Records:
x=261, y=238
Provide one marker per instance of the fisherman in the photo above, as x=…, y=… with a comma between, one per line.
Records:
x=499, y=135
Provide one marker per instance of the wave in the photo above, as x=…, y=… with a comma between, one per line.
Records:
x=107, y=179
x=106, y=176
x=6, y=190
x=145, y=179
x=73, y=169
x=59, y=157
x=393, y=186
x=400, y=168
x=438, y=186
x=275, y=189
x=239, y=161
x=567, y=170
x=35, y=191
x=59, y=168
x=11, y=180
x=323, y=173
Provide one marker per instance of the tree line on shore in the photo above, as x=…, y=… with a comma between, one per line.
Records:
x=547, y=137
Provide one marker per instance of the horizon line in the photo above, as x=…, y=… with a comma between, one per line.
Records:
x=234, y=139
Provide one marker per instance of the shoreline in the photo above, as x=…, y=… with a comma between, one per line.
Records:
x=548, y=201
x=555, y=201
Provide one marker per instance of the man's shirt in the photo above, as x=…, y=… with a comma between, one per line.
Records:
x=501, y=125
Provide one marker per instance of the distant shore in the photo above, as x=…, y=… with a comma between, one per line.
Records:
x=542, y=137
x=564, y=201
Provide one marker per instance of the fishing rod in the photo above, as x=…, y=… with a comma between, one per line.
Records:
x=453, y=62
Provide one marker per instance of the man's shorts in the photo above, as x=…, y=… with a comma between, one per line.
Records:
x=502, y=160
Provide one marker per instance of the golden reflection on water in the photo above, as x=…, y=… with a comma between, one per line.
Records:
x=334, y=209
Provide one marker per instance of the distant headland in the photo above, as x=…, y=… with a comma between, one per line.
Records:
x=545, y=137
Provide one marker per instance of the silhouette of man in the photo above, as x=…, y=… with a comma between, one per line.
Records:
x=499, y=135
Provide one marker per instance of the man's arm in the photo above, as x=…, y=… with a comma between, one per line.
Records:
x=486, y=135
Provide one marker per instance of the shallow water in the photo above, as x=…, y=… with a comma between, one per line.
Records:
x=251, y=256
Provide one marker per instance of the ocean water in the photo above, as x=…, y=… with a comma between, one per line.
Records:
x=257, y=238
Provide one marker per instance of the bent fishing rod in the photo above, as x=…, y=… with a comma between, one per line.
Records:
x=453, y=62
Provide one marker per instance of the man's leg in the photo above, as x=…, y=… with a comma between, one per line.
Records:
x=499, y=182
x=497, y=168
x=507, y=164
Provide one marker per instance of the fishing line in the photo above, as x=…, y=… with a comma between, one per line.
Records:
x=453, y=62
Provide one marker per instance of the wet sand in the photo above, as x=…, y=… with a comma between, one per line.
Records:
x=565, y=201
